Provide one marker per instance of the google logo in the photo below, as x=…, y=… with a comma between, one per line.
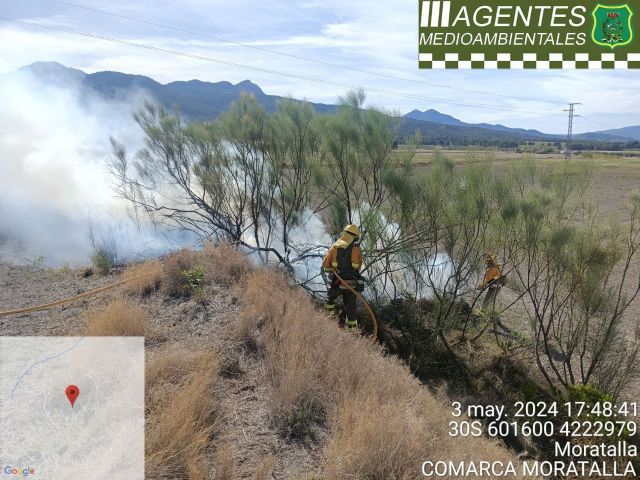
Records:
x=24, y=472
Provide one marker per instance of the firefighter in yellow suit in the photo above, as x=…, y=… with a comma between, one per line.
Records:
x=345, y=258
x=491, y=282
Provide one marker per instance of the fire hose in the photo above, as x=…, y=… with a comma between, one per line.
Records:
x=364, y=302
x=80, y=296
x=91, y=293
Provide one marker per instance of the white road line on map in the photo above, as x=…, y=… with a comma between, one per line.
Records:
x=26, y=372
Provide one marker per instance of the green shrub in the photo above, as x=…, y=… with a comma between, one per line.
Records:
x=587, y=394
x=591, y=396
x=530, y=391
x=104, y=251
x=103, y=258
x=301, y=422
x=194, y=279
x=39, y=263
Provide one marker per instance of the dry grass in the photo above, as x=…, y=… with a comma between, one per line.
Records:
x=223, y=264
x=118, y=319
x=382, y=422
x=364, y=446
x=143, y=278
x=182, y=412
x=259, y=307
x=171, y=364
x=309, y=361
x=265, y=468
x=392, y=425
x=181, y=405
x=173, y=280
x=224, y=463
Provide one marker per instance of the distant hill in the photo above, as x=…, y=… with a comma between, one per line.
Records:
x=198, y=100
x=442, y=134
x=437, y=117
x=54, y=73
x=620, y=135
x=434, y=116
x=628, y=132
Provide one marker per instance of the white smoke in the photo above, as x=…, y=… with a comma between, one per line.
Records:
x=400, y=272
x=54, y=183
x=424, y=277
x=54, y=148
x=314, y=241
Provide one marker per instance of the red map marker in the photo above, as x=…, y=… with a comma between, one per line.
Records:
x=72, y=392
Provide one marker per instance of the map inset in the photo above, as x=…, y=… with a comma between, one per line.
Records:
x=100, y=435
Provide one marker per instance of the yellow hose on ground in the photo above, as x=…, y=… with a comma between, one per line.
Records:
x=90, y=293
x=367, y=306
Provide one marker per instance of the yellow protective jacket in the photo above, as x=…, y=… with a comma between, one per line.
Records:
x=330, y=261
x=493, y=273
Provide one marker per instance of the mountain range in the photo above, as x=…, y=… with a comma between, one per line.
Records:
x=198, y=100
x=620, y=134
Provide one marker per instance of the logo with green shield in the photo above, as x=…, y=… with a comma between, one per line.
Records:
x=612, y=25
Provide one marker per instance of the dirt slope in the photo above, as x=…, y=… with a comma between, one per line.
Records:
x=284, y=369
x=180, y=321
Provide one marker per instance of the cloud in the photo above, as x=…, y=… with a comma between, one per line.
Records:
x=374, y=36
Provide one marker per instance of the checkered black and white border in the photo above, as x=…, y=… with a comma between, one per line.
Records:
x=530, y=61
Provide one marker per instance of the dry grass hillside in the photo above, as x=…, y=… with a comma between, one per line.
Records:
x=246, y=378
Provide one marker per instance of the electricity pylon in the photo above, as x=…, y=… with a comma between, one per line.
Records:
x=571, y=110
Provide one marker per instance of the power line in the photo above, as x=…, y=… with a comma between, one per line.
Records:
x=290, y=55
x=609, y=127
x=264, y=70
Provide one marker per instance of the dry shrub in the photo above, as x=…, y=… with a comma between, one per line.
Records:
x=182, y=412
x=117, y=319
x=375, y=441
x=221, y=264
x=173, y=281
x=143, y=278
x=265, y=468
x=224, y=463
x=170, y=365
x=265, y=294
x=391, y=425
x=383, y=423
x=309, y=360
x=224, y=264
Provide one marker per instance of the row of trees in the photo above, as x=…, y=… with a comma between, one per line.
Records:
x=255, y=179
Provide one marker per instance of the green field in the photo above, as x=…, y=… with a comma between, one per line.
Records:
x=617, y=177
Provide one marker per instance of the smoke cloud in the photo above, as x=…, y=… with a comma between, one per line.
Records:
x=55, y=185
x=54, y=182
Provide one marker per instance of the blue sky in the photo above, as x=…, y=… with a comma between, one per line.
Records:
x=377, y=36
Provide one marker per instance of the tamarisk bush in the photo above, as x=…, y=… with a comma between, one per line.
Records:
x=576, y=274
x=254, y=179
